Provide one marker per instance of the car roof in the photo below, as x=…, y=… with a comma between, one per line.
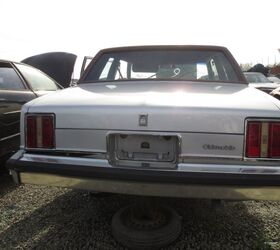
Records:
x=6, y=61
x=10, y=61
x=164, y=47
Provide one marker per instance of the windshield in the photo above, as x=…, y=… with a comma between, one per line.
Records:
x=256, y=78
x=162, y=65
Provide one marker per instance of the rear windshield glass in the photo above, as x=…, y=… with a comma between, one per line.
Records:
x=162, y=65
x=37, y=80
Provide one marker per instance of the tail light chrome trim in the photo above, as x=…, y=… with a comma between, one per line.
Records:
x=40, y=121
x=265, y=139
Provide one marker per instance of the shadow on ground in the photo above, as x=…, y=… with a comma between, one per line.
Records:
x=76, y=220
x=6, y=184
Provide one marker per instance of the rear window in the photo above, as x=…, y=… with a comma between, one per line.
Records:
x=36, y=79
x=187, y=65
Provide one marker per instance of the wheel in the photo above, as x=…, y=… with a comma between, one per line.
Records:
x=146, y=231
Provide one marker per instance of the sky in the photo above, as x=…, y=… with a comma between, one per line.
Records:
x=248, y=28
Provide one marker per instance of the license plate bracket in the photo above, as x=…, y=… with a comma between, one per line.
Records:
x=143, y=150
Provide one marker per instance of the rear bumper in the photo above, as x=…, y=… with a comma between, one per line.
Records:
x=240, y=182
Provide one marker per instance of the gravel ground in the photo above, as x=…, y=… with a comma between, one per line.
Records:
x=34, y=217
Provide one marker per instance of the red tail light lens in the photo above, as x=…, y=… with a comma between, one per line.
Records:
x=31, y=130
x=274, y=140
x=253, y=140
x=40, y=131
x=47, y=132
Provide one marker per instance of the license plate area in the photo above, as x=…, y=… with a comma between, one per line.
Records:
x=143, y=150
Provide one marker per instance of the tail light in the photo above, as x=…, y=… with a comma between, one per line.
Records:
x=253, y=140
x=262, y=139
x=40, y=131
x=274, y=140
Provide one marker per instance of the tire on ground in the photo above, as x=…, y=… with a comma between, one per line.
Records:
x=148, y=238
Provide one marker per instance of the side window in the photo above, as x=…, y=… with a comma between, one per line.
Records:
x=9, y=79
x=37, y=80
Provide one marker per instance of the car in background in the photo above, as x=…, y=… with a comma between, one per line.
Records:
x=19, y=83
x=57, y=65
x=261, y=82
x=175, y=121
x=274, y=79
x=65, y=68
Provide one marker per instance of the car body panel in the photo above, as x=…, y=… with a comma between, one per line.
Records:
x=192, y=144
x=98, y=106
x=11, y=103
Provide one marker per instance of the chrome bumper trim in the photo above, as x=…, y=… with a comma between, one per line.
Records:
x=154, y=189
x=181, y=167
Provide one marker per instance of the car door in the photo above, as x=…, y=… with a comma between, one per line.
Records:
x=13, y=94
x=86, y=62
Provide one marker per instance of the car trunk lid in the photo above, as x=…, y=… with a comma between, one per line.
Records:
x=177, y=106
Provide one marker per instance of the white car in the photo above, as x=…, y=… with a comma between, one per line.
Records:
x=274, y=79
x=175, y=121
x=260, y=81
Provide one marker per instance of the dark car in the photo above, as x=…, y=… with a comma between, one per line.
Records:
x=19, y=83
x=58, y=65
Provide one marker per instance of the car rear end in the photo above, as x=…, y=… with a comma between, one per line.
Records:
x=189, y=127
x=190, y=163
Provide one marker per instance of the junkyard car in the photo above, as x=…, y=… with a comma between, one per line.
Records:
x=19, y=84
x=177, y=121
x=261, y=82
x=274, y=79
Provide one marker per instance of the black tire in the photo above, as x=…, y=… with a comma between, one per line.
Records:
x=134, y=238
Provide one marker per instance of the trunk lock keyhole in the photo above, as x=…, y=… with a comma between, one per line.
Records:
x=145, y=145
